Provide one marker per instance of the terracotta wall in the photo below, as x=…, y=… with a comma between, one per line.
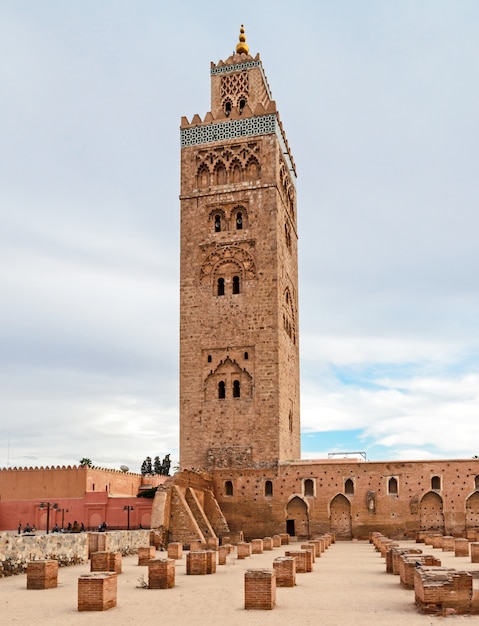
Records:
x=352, y=497
x=88, y=495
x=70, y=482
x=92, y=510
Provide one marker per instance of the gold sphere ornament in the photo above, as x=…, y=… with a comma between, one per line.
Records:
x=242, y=47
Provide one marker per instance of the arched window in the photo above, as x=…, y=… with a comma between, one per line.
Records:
x=236, y=389
x=393, y=486
x=349, y=487
x=220, y=175
x=476, y=482
x=221, y=390
x=227, y=108
x=236, y=173
x=268, y=488
x=253, y=170
x=236, y=284
x=217, y=223
x=209, y=358
x=309, y=487
x=242, y=104
x=221, y=286
x=203, y=177
x=239, y=220
x=436, y=482
x=246, y=356
x=228, y=488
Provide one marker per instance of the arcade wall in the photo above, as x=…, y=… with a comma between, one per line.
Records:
x=351, y=498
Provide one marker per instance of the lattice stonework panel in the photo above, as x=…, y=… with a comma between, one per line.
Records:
x=235, y=84
x=226, y=69
x=232, y=129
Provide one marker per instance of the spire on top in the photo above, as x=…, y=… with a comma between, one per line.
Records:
x=242, y=47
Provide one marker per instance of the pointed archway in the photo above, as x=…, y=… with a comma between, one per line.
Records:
x=431, y=515
x=297, y=518
x=340, y=518
x=472, y=511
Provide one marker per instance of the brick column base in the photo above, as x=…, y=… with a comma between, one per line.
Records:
x=259, y=589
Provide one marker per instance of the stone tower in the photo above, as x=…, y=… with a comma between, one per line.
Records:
x=239, y=356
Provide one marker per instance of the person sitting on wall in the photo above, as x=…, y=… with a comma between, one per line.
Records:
x=76, y=527
x=69, y=527
x=82, y=527
x=27, y=529
x=56, y=529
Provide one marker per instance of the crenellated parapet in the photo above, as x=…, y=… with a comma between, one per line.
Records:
x=55, y=468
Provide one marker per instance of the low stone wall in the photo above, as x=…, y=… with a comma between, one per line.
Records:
x=16, y=551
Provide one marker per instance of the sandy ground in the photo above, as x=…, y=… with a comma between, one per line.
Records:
x=348, y=586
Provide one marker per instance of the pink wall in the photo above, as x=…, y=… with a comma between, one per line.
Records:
x=92, y=510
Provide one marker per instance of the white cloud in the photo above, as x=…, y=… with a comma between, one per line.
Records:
x=381, y=116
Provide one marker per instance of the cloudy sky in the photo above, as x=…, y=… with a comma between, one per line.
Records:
x=380, y=102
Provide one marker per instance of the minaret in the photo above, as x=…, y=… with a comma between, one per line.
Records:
x=239, y=355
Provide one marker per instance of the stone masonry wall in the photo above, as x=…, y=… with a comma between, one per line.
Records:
x=69, y=549
x=352, y=498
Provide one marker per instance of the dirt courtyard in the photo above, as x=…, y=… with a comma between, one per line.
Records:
x=348, y=586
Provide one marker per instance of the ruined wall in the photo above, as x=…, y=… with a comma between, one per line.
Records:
x=69, y=549
x=17, y=550
x=352, y=498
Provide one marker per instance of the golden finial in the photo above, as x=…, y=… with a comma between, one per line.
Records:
x=242, y=47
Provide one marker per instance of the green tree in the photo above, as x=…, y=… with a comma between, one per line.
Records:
x=85, y=462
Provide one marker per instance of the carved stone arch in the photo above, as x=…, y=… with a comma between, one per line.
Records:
x=253, y=170
x=227, y=253
x=219, y=173
x=226, y=155
x=289, y=302
x=236, y=171
x=227, y=372
x=239, y=209
x=228, y=266
x=291, y=200
x=431, y=515
x=213, y=219
x=472, y=510
x=203, y=176
x=241, y=101
x=340, y=517
x=227, y=105
x=297, y=516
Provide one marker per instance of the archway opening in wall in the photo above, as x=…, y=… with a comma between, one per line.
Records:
x=349, y=487
x=145, y=520
x=94, y=520
x=472, y=511
x=340, y=518
x=431, y=516
x=297, y=513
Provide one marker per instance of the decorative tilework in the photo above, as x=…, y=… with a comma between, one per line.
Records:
x=226, y=69
x=232, y=129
